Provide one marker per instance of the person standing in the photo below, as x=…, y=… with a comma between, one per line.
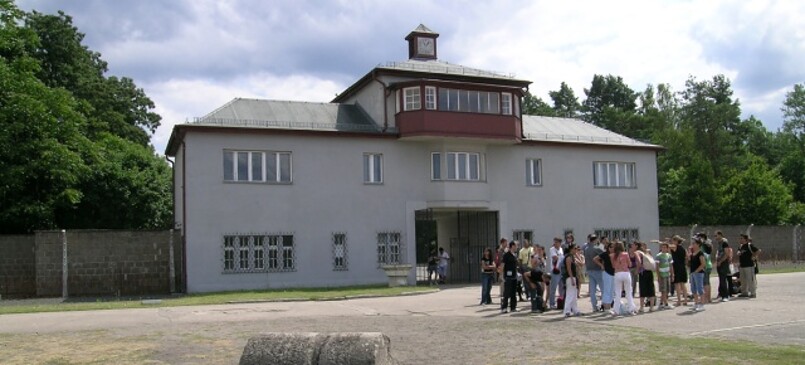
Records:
x=444, y=259
x=555, y=255
x=503, y=247
x=747, y=254
x=680, y=259
x=571, y=280
x=594, y=271
x=697, y=267
x=487, y=276
x=623, y=280
x=533, y=280
x=433, y=264
x=645, y=277
x=723, y=259
x=706, y=246
x=604, y=261
x=510, y=265
x=665, y=276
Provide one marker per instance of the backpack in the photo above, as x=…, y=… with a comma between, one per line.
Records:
x=648, y=262
x=708, y=263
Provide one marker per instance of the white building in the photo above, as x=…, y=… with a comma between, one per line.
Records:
x=273, y=194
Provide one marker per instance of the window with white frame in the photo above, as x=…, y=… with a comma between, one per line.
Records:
x=339, y=251
x=614, y=175
x=257, y=166
x=533, y=172
x=413, y=100
x=506, y=103
x=622, y=234
x=463, y=166
x=245, y=253
x=372, y=168
x=430, y=97
x=389, y=248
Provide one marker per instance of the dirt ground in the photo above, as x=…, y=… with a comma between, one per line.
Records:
x=447, y=327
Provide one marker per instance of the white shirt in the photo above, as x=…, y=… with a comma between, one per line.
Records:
x=557, y=252
x=443, y=259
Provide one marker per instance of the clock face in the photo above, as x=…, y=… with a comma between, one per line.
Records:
x=425, y=46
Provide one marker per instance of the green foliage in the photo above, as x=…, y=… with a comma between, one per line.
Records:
x=794, y=113
x=534, y=105
x=756, y=195
x=73, y=153
x=689, y=195
x=565, y=102
x=610, y=104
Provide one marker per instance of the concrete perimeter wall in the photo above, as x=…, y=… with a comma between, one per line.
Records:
x=778, y=243
x=17, y=266
x=99, y=262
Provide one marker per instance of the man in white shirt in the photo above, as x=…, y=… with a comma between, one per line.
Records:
x=444, y=258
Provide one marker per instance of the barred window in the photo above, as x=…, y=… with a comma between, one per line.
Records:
x=248, y=253
x=521, y=235
x=623, y=234
x=339, y=251
x=389, y=250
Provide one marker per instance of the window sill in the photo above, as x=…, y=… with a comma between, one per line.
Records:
x=258, y=182
x=616, y=187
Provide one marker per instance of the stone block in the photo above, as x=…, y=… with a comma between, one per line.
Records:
x=318, y=349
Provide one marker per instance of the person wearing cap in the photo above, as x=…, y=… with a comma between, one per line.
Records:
x=747, y=254
x=594, y=271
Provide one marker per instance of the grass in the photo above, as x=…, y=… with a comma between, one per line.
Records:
x=37, y=306
x=646, y=347
x=781, y=267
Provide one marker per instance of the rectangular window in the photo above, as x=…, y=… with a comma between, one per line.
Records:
x=430, y=98
x=389, y=248
x=533, y=172
x=436, y=166
x=247, y=253
x=506, y=103
x=413, y=99
x=373, y=168
x=468, y=101
x=522, y=235
x=339, y=251
x=463, y=166
x=614, y=175
x=257, y=166
x=624, y=234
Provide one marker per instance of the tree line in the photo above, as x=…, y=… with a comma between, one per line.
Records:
x=717, y=168
x=74, y=142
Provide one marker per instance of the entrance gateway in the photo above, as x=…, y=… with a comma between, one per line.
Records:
x=464, y=234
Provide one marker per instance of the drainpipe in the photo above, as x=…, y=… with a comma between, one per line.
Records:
x=386, y=94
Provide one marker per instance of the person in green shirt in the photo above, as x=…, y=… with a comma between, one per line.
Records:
x=665, y=275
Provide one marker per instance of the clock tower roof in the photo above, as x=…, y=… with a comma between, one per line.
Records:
x=422, y=43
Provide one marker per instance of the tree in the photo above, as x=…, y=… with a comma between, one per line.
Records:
x=794, y=113
x=534, y=105
x=565, y=102
x=689, y=195
x=709, y=110
x=609, y=100
x=112, y=105
x=756, y=195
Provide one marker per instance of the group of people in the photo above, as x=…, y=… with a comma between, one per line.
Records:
x=616, y=270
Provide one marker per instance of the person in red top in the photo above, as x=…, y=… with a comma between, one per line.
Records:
x=623, y=280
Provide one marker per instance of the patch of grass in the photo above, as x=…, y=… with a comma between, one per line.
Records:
x=645, y=347
x=781, y=268
x=212, y=298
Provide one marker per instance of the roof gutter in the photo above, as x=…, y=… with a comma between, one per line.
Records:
x=386, y=93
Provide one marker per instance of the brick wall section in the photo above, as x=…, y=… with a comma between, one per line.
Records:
x=17, y=266
x=775, y=241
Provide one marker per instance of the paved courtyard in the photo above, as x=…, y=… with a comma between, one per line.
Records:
x=420, y=326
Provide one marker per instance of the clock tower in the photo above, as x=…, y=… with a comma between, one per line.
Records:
x=422, y=43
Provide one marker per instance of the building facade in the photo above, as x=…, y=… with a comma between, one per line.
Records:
x=273, y=194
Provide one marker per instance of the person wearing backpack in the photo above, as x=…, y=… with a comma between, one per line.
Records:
x=645, y=277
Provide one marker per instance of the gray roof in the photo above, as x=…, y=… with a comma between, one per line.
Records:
x=570, y=130
x=437, y=67
x=423, y=29
x=293, y=115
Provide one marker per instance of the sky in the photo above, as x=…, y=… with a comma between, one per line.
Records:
x=192, y=56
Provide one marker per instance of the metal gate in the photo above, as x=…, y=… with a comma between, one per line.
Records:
x=476, y=231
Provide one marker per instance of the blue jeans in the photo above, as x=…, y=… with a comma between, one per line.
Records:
x=697, y=283
x=486, y=287
x=595, y=278
x=556, y=283
x=607, y=288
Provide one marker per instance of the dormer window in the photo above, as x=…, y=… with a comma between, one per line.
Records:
x=412, y=98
